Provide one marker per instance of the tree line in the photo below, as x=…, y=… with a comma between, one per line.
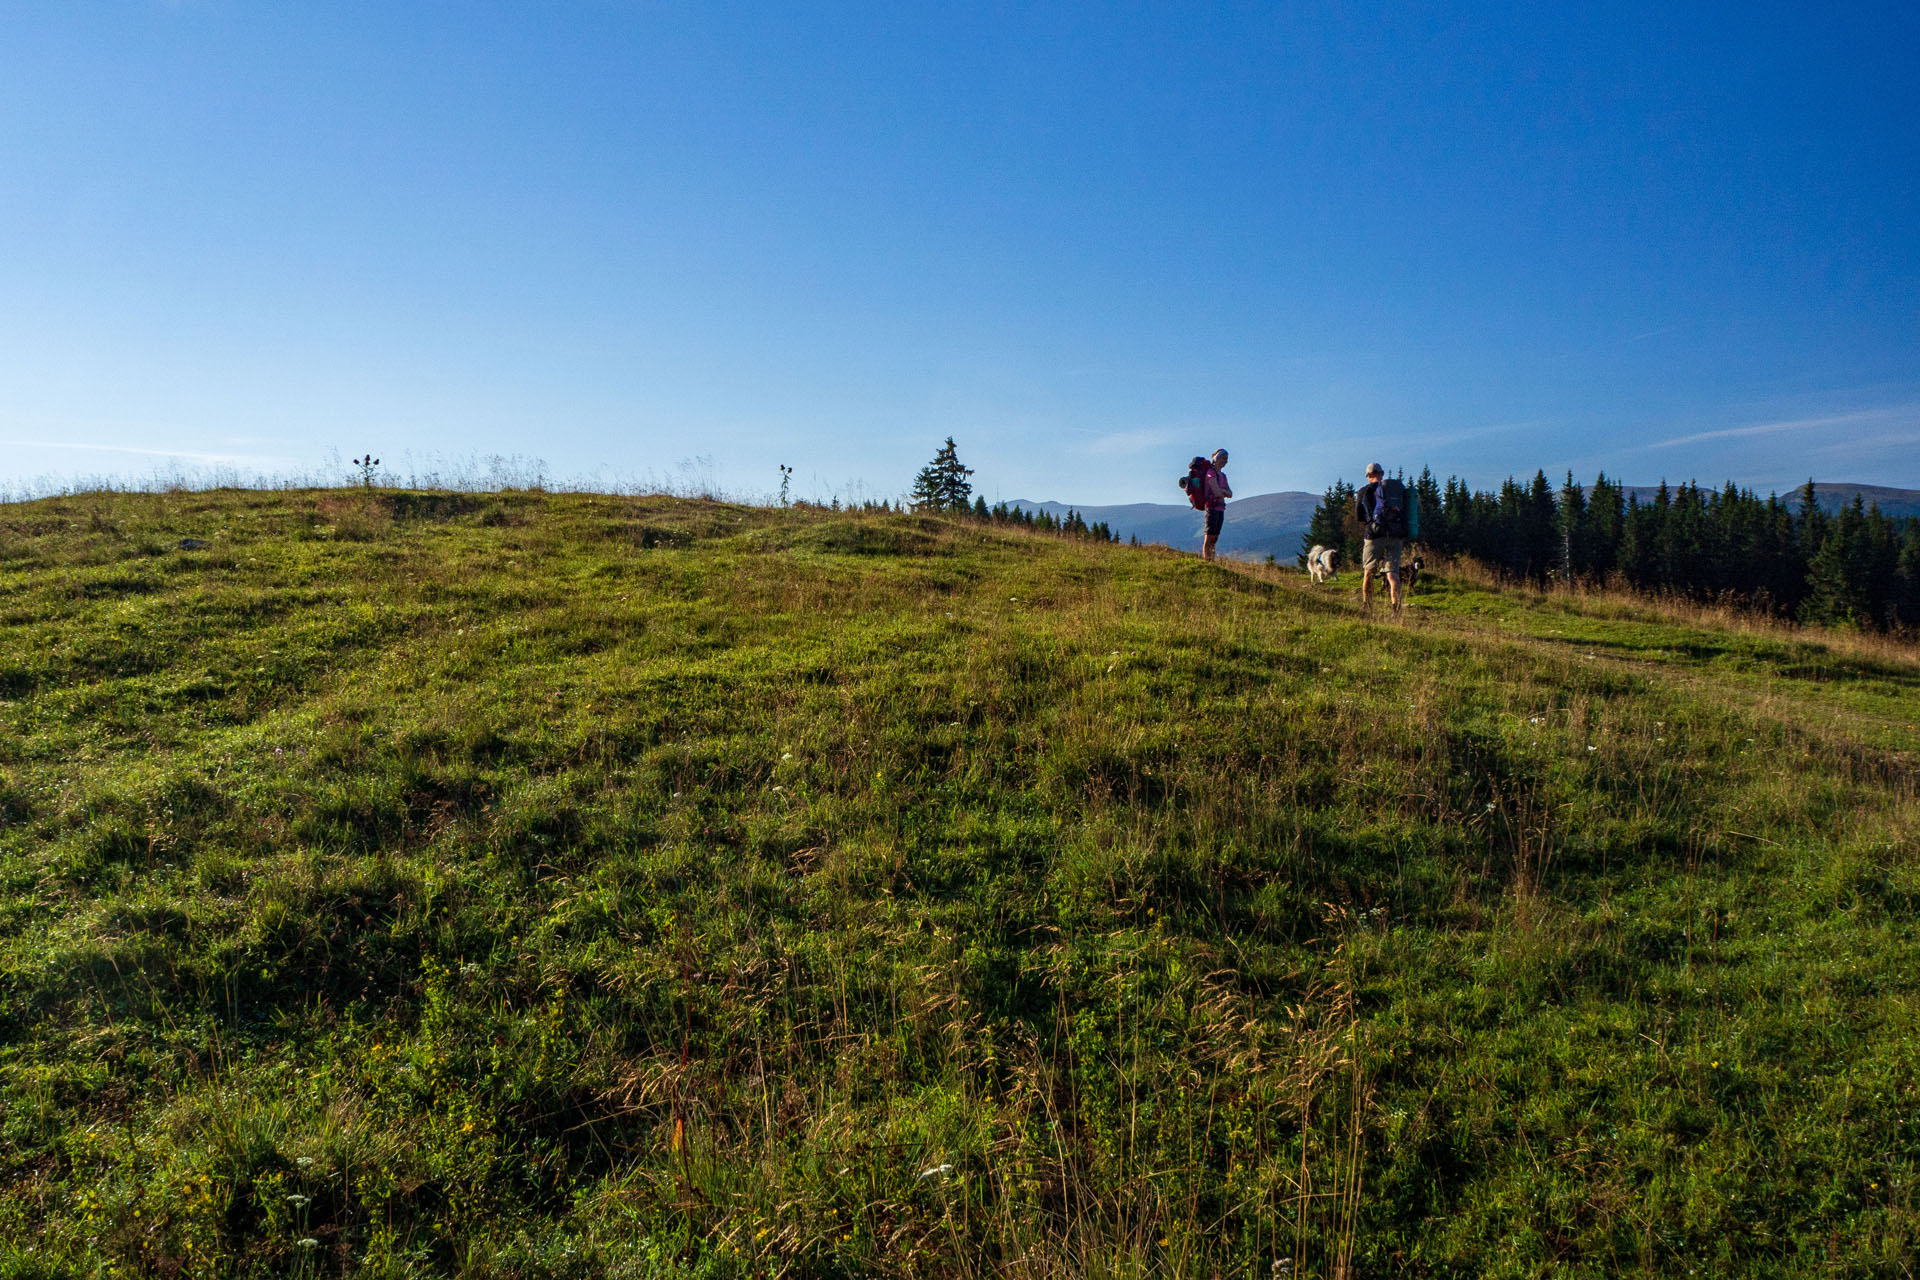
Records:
x=1857, y=566
x=942, y=486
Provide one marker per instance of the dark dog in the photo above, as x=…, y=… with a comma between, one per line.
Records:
x=1409, y=574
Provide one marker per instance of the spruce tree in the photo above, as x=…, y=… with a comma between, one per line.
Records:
x=1907, y=577
x=942, y=484
x=1606, y=514
x=1426, y=492
x=1574, y=559
x=1836, y=577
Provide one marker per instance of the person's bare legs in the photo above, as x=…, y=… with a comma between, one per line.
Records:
x=1206, y=548
x=1393, y=590
x=1366, y=588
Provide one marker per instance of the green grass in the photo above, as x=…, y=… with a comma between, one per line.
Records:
x=540, y=885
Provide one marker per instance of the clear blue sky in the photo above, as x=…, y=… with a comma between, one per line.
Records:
x=1087, y=242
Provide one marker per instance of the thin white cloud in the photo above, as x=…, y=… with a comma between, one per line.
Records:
x=1475, y=433
x=189, y=455
x=1881, y=443
x=1123, y=443
x=1826, y=422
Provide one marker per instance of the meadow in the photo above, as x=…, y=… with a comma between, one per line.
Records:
x=524, y=884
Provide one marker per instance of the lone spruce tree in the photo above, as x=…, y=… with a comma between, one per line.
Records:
x=942, y=484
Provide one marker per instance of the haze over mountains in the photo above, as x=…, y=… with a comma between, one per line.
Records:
x=1272, y=523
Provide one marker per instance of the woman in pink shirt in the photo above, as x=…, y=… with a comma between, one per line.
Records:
x=1218, y=491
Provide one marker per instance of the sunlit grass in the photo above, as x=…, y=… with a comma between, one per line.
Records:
x=550, y=885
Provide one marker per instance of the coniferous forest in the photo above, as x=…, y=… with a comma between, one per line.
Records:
x=1784, y=556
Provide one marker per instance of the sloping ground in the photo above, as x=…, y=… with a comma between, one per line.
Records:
x=537, y=885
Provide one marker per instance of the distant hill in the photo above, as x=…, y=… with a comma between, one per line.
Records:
x=1265, y=524
x=1897, y=503
x=1271, y=523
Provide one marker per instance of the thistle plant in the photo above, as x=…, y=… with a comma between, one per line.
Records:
x=366, y=464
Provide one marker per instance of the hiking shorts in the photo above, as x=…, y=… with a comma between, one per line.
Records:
x=1216, y=516
x=1382, y=553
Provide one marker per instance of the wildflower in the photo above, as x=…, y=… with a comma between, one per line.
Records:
x=304, y=1161
x=936, y=1170
x=308, y=1242
x=786, y=755
x=297, y=1201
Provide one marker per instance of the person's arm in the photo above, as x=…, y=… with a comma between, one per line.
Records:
x=1226, y=490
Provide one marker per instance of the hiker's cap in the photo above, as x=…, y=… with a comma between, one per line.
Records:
x=1219, y=457
x=1375, y=469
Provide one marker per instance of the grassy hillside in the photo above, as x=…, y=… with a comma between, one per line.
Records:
x=556, y=885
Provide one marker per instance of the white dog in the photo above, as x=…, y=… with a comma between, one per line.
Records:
x=1323, y=563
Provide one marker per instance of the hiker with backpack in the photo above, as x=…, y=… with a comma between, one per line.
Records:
x=1386, y=514
x=1207, y=490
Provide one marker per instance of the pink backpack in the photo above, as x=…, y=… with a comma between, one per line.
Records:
x=1199, y=471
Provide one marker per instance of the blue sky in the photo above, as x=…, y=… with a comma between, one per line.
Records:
x=670, y=241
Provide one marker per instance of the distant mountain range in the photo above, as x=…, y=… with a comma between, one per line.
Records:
x=1271, y=523
x=1265, y=524
x=1897, y=503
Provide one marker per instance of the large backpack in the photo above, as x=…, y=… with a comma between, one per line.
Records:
x=1195, y=483
x=1390, y=512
